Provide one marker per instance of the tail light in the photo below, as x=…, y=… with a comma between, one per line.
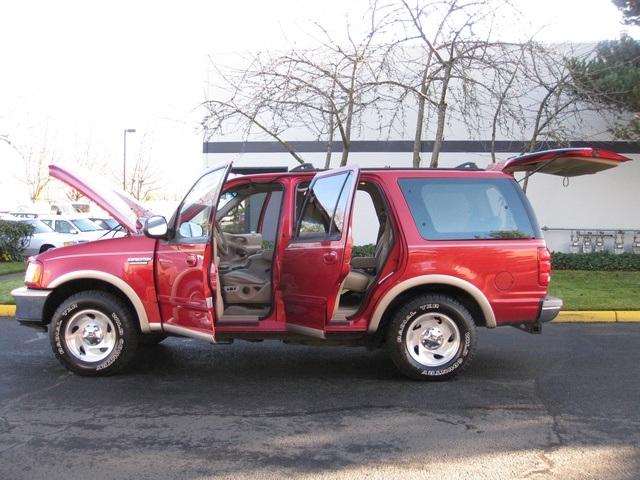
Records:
x=544, y=266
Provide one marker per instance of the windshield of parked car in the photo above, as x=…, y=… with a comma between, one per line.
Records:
x=85, y=225
x=39, y=226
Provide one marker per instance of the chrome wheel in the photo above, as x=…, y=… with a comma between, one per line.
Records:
x=433, y=339
x=90, y=336
x=94, y=333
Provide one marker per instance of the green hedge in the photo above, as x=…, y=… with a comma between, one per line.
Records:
x=14, y=238
x=604, y=261
x=364, y=251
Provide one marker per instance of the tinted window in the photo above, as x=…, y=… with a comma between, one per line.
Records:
x=194, y=215
x=323, y=212
x=467, y=209
x=254, y=213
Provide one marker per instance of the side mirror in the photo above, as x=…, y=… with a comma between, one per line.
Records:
x=155, y=227
x=73, y=231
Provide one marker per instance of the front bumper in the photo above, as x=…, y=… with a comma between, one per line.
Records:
x=30, y=306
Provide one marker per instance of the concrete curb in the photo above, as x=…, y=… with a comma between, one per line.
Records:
x=563, y=317
x=610, y=316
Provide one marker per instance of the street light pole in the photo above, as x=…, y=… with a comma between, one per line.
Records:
x=124, y=171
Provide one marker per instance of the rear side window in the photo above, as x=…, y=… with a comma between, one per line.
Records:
x=469, y=208
x=322, y=215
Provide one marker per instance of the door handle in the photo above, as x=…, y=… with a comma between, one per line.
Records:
x=330, y=258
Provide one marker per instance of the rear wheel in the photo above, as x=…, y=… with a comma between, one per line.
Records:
x=432, y=337
x=93, y=333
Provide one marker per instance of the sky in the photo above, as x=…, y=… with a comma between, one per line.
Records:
x=84, y=71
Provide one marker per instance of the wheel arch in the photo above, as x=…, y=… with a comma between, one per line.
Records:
x=470, y=296
x=84, y=280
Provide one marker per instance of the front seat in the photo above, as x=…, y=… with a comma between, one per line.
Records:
x=251, y=283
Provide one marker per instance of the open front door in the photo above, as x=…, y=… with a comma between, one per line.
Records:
x=186, y=274
x=316, y=260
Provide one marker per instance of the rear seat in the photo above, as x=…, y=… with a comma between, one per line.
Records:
x=364, y=270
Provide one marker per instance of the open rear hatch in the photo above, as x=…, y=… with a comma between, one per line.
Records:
x=565, y=162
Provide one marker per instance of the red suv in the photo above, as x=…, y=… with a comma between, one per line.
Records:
x=271, y=256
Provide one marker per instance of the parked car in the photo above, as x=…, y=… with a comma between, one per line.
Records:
x=456, y=249
x=84, y=228
x=45, y=238
x=25, y=215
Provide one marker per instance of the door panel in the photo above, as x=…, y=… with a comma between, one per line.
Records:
x=316, y=260
x=186, y=276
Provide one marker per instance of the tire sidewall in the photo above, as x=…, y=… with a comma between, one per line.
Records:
x=405, y=318
x=120, y=320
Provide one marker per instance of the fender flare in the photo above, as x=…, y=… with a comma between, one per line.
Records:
x=124, y=287
x=456, y=282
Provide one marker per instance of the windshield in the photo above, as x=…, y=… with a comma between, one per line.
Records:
x=85, y=225
x=39, y=226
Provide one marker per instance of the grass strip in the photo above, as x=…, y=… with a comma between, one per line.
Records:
x=12, y=267
x=5, y=290
x=585, y=290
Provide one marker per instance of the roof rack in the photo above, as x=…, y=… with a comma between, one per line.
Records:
x=468, y=166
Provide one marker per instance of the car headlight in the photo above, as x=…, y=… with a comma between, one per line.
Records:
x=33, y=273
x=70, y=242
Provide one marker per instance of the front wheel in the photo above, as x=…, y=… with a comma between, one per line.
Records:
x=432, y=337
x=93, y=333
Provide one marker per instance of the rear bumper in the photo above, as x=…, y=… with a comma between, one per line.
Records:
x=549, y=308
x=30, y=307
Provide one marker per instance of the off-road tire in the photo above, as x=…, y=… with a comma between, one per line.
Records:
x=93, y=333
x=431, y=337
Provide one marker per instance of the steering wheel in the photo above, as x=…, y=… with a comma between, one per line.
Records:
x=223, y=247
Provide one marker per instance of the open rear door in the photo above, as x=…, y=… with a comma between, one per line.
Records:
x=316, y=260
x=565, y=162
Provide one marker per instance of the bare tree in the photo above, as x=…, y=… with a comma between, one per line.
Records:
x=36, y=156
x=536, y=101
x=325, y=91
x=443, y=33
x=143, y=180
x=84, y=155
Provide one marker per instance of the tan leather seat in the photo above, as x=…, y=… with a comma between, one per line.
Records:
x=364, y=270
x=250, y=284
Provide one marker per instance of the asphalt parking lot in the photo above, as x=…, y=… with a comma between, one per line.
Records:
x=558, y=405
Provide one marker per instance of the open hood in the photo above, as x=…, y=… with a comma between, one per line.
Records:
x=119, y=204
x=565, y=162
